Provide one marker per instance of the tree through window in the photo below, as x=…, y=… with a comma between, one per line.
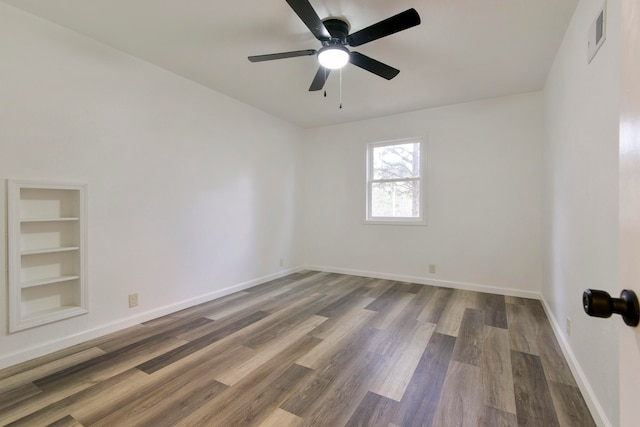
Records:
x=394, y=182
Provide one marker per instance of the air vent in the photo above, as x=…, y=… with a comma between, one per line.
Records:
x=596, y=34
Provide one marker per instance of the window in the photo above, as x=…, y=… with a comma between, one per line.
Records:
x=395, y=178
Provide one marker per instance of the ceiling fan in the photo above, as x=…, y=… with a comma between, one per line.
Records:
x=334, y=35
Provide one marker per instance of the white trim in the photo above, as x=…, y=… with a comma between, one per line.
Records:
x=14, y=358
x=427, y=281
x=598, y=413
x=394, y=221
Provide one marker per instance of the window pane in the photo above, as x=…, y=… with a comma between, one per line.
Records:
x=396, y=199
x=396, y=161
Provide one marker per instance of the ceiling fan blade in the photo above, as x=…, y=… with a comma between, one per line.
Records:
x=320, y=79
x=373, y=66
x=283, y=55
x=310, y=18
x=407, y=19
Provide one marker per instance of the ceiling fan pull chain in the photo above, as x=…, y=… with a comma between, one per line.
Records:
x=325, y=79
x=341, y=88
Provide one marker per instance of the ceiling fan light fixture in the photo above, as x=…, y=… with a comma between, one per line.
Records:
x=333, y=57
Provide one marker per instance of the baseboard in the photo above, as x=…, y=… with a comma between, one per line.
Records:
x=428, y=281
x=59, y=344
x=590, y=398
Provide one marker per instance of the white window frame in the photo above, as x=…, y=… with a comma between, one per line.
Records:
x=369, y=218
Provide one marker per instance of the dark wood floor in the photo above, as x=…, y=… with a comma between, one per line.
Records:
x=313, y=349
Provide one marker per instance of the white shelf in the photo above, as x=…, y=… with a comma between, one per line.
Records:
x=29, y=220
x=47, y=252
x=43, y=317
x=47, y=281
x=50, y=250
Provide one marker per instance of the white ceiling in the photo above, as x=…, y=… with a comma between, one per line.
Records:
x=463, y=50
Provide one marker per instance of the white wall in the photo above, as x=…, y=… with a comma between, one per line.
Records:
x=190, y=192
x=580, y=188
x=483, y=197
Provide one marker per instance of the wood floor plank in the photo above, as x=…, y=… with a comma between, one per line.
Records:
x=142, y=349
x=434, y=307
x=497, y=376
x=185, y=349
x=374, y=411
x=18, y=394
x=468, y=347
x=301, y=278
x=495, y=311
x=343, y=395
x=67, y=421
x=281, y=418
x=461, y=403
x=281, y=322
x=387, y=299
x=449, y=322
x=292, y=295
x=173, y=328
x=393, y=379
x=401, y=321
x=414, y=288
x=344, y=331
x=51, y=358
x=223, y=406
x=493, y=417
x=250, y=302
x=104, y=398
x=570, y=406
x=92, y=398
x=70, y=381
x=342, y=360
x=383, y=352
x=197, y=371
x=255, y=410
x=42, y=417
x=378, y=287
x=268, y=352
x=385, y=318
x=257, y=299
x=534, y=404
x=337, y=322
x=420, y=401
x=422, y=295
x=555, y=365
x=508, y=299
x=346, y=302
x=523, y=329
x=158, y=405
x=25, y=378
x=200, y=310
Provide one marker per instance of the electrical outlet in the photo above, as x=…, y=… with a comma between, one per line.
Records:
x=568, y=326
x=432, y=268
x=281, y=262
x=133, y=300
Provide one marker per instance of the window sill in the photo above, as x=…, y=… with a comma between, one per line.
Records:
x=395, y=222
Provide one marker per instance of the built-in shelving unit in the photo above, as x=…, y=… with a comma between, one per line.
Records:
x=47, y=252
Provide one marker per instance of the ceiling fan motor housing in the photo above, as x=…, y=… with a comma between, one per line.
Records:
x=338, y=28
